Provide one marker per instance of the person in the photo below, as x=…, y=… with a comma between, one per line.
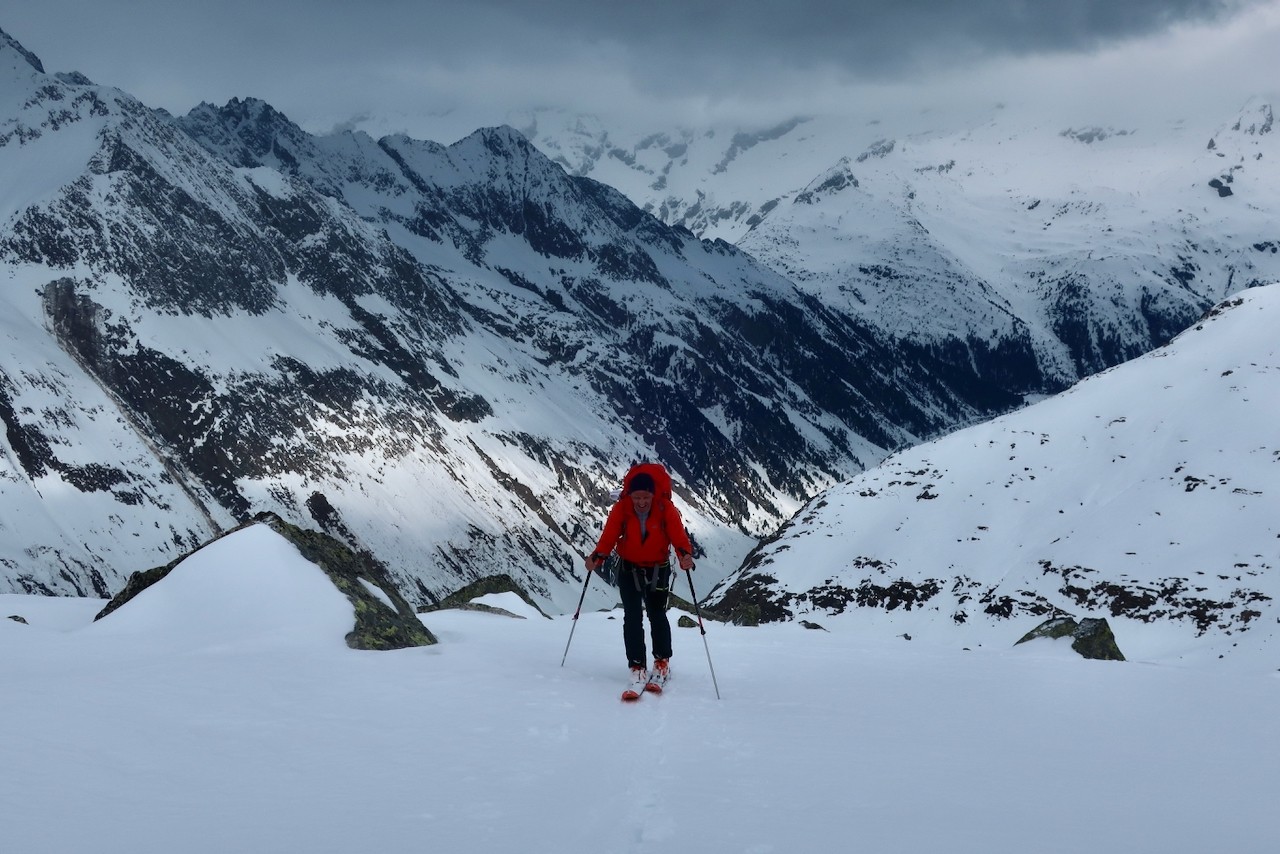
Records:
x=642, y=527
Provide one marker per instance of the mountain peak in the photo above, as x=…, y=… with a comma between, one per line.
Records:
x=503, y=144
x=241, y=111
x=9, y=43
x=502, y=140
x=248, y=132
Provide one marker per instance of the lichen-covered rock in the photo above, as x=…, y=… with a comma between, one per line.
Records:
x=1091, y=637
x=377, y=625
x=140, y=581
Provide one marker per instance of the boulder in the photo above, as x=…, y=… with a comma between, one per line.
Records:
x=1091, y=637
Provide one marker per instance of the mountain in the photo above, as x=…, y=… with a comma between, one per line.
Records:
x=442, y=356
x=1040, y=254
x=446, y=356
x=1144, y=495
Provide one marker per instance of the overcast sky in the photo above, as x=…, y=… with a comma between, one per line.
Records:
x=438, y=69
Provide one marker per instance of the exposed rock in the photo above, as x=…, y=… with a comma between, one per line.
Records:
x=682, y=604
x=751, y=601
x=138, y=582
x=1092, y=637
x=501, y=583
x=17, y=618
x=377, y=626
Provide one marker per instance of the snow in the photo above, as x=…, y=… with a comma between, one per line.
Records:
x=509, y=602
x=1157, y=476
x=269, y=181
x=220, y=711
x=378, y=593
x=252, y=588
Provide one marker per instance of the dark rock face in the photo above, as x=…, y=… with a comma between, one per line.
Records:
x=750, y=603
x=1091, y=637
x=8, y=43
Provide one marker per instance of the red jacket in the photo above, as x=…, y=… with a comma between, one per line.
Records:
x=665, y=529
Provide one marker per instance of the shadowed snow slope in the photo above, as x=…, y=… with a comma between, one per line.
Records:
x=1145, y=494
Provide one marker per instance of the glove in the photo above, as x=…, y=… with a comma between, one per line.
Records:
x=686, y=561
x=594, y=561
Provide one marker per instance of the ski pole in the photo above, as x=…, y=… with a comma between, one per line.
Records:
x=703, y=629
x=581, y=599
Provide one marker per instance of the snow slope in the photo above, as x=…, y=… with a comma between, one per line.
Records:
x=220, y=711
x=1145, y=494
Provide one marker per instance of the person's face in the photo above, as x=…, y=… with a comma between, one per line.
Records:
x=641, y=500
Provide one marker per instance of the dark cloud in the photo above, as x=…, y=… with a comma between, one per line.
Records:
x=866, y=37
x=329, y=63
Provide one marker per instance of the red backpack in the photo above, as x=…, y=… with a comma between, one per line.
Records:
x=657, y=471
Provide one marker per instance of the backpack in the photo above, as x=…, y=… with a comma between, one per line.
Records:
x=657, y=471
x=612, y=569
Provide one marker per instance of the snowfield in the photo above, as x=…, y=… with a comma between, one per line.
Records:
x=221, y=711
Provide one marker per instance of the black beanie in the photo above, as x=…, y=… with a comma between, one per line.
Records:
x=641, y=481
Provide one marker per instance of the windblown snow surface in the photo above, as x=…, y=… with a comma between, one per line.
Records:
x=220, y=710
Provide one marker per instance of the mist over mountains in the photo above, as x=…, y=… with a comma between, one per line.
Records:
x=447, y=355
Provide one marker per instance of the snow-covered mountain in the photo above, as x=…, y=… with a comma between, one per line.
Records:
x=1145, y=495
x=1033, y=250
x=445, y=356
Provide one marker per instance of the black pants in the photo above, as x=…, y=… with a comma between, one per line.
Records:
x=644, y=589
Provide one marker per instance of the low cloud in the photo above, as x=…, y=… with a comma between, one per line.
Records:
x=440, y=69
